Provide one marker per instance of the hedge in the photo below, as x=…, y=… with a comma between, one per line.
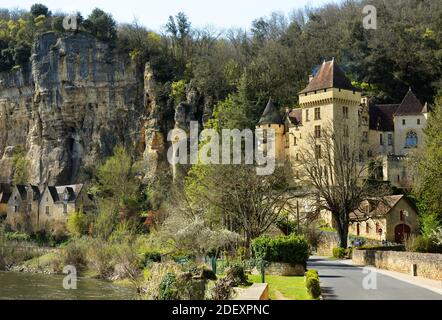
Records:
x=313, y=284
x=288, y=249
x=339, y=253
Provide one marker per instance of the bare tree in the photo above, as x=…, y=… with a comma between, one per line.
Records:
x=244, y=201
x=340, y=179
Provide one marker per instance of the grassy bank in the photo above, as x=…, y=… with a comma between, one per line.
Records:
x=290, y=288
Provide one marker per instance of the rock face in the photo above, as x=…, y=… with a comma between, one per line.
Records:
x=78, y=101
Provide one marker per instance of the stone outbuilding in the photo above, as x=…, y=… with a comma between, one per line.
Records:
x=387, y=219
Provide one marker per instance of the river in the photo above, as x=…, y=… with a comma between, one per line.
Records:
x=29, y=286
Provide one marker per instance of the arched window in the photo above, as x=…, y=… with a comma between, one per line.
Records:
x=367, y=227
x=411, y=140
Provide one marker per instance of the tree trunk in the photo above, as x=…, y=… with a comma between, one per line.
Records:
x=342, y=228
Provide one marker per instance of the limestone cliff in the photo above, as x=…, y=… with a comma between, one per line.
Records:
x=78, y=99
x=76, y=102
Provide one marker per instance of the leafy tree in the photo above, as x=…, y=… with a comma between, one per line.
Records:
x=39, y=9
x=21, y=166
x=117, y=176
x=429, y=190
x=101, y=25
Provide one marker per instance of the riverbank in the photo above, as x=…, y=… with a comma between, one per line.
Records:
x=32, y=286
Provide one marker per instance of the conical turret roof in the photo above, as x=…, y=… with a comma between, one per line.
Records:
x=270, y=115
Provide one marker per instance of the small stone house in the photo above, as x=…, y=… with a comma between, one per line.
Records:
x=388, y=219
x=58, y=202
x=22, y=207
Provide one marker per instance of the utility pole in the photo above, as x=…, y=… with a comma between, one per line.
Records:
x=297, y=216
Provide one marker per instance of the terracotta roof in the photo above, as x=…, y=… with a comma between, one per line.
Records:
x=376, y=208
x=410, y=105
x=270, y=115
x=329, y=75
x=382, y=117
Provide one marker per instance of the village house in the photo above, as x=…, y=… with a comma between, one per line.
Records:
x=390, y=219
x=31, y=210
x=23, y=207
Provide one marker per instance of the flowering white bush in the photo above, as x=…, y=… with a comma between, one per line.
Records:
x=438, y=235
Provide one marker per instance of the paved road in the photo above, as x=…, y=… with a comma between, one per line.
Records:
x=340, y=281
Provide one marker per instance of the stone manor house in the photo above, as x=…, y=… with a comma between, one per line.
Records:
x=386, y=134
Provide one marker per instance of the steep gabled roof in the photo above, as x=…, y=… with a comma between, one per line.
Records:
x=57, y=193
x=270, y=115
x=382, y=117
x=410, y=105
x=376, y=208
x=329, y=75
x=22, y=190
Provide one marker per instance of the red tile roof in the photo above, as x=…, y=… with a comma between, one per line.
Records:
x=329, y=75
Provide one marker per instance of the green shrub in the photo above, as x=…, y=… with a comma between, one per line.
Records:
x=75, y=254
x=423, y=244
x=288, y=249
x=236, y=275
x=339, y=253
x=168, y=287
x=17, y=236
x=313, y=287
x=312, y=283
x=152, y=257
x=78, y=224
x=311, y=273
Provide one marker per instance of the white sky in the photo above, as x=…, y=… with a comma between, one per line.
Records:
x=154, y=13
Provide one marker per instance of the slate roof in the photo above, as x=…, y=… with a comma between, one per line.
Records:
x=410, y=105
x=57, y=193
x=329, y=75
x=271, y=115
x=382, y=117
x=5, y=192
x=24, y=189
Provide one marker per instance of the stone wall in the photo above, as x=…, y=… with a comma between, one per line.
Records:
x=329, y=240
x=428, y=265
x=282, y=269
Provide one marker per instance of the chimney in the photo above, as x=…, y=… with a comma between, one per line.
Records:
x=310, y=78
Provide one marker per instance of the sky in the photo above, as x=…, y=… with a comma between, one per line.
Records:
x=153, y=14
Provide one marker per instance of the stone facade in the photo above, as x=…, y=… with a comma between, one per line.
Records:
x=427, y=265
x=30, y=210
x=387, y=221
x=283, y=269
x=385, y=134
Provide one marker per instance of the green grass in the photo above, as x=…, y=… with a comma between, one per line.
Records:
x=292, y=288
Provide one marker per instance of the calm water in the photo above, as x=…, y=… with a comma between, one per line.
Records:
x=27, y=286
